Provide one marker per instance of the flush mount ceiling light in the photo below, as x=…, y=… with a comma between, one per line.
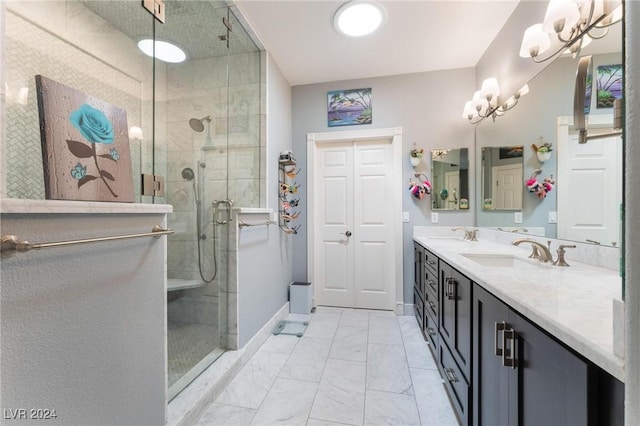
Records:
x=574, y=23
x=164, y=51
x=358, y=18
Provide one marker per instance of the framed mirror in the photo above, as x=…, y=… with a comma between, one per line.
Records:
x=450, y=179
x=547, y=112
x=502, y=177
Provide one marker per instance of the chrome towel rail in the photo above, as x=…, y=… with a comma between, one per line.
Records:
x=10, y=244
x=266, y=222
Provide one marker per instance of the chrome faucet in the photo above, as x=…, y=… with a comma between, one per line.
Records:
x=540, y=251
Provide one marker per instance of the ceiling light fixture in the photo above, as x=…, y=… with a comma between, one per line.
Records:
x=485, y=102
x=574, y=23
x=164, y=51
x=358, y=18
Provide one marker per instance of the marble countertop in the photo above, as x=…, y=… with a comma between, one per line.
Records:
x=17, y=205
x=574, y=303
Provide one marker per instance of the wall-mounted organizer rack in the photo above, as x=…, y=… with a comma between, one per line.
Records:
x=287, y=213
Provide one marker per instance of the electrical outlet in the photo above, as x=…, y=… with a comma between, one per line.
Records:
x=517, y=217
x=405, y=217
x=434, y=217
x=553, y=217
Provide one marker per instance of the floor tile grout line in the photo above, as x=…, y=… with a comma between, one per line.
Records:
x=366, y=371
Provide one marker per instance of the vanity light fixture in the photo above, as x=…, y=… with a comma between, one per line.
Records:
x=358, y=18
x=574, y=23
x=485, y=102
x=162, y=50
x=439, y=153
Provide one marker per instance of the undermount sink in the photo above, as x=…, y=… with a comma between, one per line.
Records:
x=499, y=260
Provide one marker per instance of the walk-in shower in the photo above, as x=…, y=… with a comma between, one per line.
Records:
x=209, y=149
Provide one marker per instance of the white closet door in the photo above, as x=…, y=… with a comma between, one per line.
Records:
x=354, y=197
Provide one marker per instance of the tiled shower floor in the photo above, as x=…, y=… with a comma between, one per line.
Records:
x=351, y=367
x=188, y=344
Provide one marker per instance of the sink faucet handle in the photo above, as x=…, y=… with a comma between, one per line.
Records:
x=472, y=234
x=535, y=254
x=561, y=251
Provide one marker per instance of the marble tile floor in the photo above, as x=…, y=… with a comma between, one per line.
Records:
x=351, y=367
x=187, y=344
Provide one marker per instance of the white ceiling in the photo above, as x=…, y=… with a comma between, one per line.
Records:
x=418, y=36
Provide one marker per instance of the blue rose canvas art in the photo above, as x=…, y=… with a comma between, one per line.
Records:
x=85, y=145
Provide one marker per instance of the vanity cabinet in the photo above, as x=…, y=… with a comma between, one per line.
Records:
x=418, y=285
x=522, y=376
x=455, y=315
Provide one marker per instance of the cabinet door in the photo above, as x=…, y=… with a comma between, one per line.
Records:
x=490, y=378
x=455, y=315
x=549, y=385
x=418, y=273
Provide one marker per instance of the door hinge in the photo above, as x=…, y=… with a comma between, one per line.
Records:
x=152, y=185
x=156, y=8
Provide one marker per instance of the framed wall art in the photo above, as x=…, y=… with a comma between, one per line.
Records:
x=609, y=85
x=349, y=107
x=85, y=145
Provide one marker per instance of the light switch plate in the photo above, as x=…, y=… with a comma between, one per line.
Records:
x=405, y=217
x=553, y=217
x=434, y=217
x=517, y=217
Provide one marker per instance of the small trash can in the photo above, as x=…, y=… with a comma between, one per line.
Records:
x=300, y=297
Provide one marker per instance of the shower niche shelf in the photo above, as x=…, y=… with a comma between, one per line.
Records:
x=288, y=188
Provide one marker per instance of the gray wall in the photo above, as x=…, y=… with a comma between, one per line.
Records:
x=83, y=327
x=265, y=253
x=428, y=107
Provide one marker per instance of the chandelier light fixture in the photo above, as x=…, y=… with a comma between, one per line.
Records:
x=568, y=26
x=486, y=102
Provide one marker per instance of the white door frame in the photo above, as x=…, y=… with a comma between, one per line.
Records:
x=394, y=134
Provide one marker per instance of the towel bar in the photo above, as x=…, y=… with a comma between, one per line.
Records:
x=10, y=244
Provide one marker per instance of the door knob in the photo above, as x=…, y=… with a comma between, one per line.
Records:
x=348, y=233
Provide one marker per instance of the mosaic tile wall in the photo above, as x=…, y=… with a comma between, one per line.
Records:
x=31, y=50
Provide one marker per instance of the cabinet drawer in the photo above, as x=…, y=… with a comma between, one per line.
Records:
x=430, y=261
x=431, y=283
x=418, y=307
x=457, y=387
x=431, y=332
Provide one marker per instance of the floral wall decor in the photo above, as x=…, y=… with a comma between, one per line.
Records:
x=609, y=85
x=85, y=145
x=349, y=107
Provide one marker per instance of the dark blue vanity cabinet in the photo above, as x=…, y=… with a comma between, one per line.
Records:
x=499, y=368
x=523, y=376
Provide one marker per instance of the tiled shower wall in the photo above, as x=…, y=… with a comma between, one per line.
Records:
x=227, y=164
x=226, y=158
x=65, y=42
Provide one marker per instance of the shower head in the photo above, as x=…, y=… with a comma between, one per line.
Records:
x=197, y=124
x=188, y=174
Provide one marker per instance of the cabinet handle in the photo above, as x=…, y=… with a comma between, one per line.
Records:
x=431, y=305
x=450, y=291
x=431, y=331
x=500, y=326
x=432, y=284
x=450, y=375
x=431, y=262
x=509, y=355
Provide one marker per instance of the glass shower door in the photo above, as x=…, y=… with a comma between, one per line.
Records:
x=190, y=152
